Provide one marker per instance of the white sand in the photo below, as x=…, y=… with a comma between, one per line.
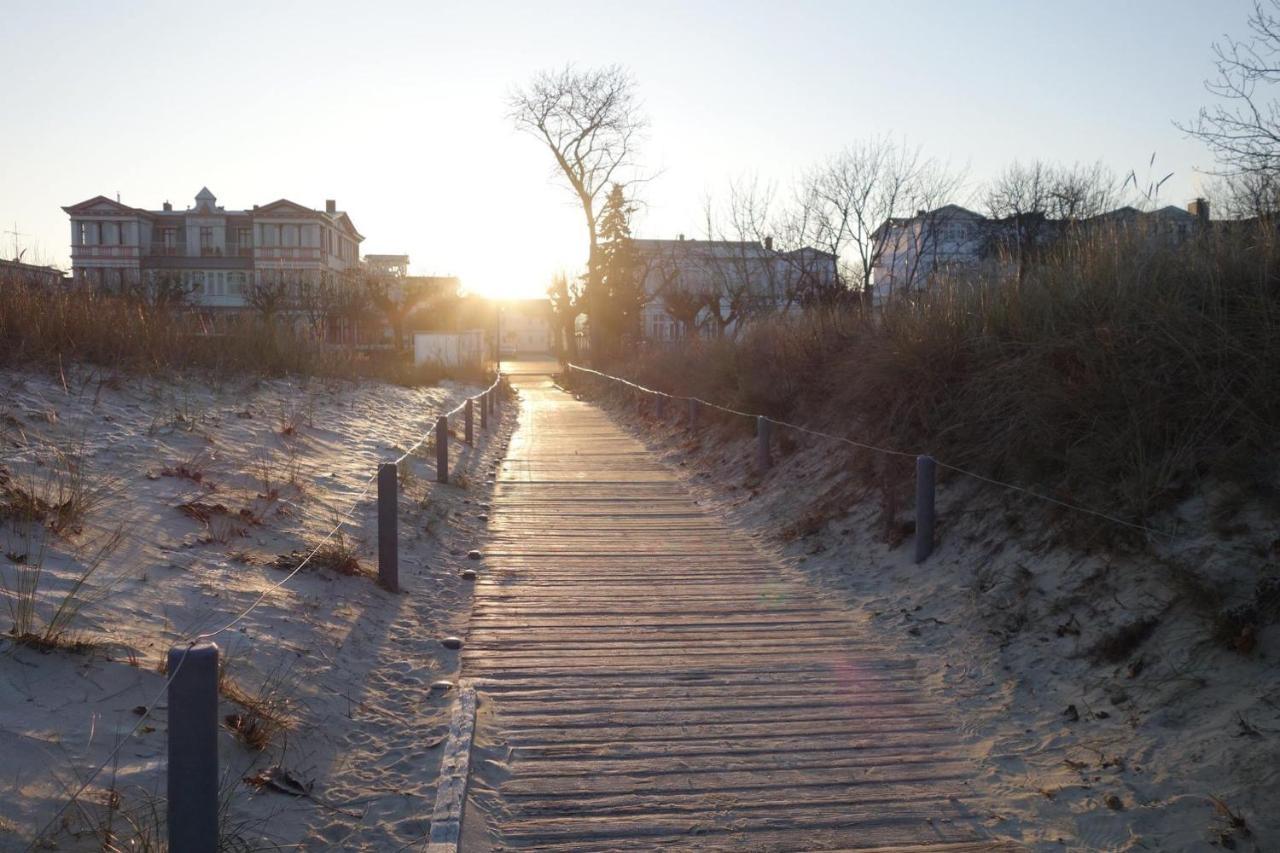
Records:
x=1179, y=720
x=356, y=662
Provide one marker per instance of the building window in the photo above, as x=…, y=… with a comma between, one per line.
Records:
x=170, y=240
x=206, y=240
x=246, y=241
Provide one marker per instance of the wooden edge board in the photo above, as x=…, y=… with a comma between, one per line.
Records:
x=455, y=768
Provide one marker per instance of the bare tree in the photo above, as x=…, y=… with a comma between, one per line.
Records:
x=591, y=122
x=396, y=297
x=271, y=294
x=352, y=305
x=317, y=299
x=684, y=305
x=566, y=306
x=1080, y=192
x=845, y=203
x=161, y=289
x=1243, y=130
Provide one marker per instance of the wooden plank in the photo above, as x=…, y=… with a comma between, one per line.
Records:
x=652, y=681
x=455, y=771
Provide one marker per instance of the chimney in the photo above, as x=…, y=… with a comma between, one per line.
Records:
x=168, y=208
x=768, y=244
x=330, y=205
x=681, y=236
x=1200, y=210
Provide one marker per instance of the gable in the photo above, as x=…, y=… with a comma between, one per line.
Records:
x=103, y=206
x=344, y=222
x=284, y=207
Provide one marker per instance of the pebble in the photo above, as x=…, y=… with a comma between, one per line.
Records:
x=442, y=685
x=474, y=555
x=468, y=574
x=452, y=642
x=483, y=517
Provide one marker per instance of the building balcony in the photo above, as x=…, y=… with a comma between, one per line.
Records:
x=286, y=253
x=81, y=252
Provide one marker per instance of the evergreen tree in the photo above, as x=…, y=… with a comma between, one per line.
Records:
x=622, y=287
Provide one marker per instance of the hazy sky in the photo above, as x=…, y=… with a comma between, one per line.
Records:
x=399, y=110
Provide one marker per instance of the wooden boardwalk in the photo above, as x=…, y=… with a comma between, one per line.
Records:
x=648, y=680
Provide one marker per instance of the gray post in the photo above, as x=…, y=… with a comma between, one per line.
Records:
x=388, y=528
x=469, y=418
x=659, y=406
x=926, y=475
x=693, y=414
x=763, y=428
x=442, y=449
x=484, y=410
x=193, y=749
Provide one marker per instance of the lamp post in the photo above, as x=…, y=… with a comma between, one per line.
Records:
x=497, y=334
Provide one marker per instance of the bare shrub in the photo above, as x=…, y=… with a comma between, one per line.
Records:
x=1118, y=373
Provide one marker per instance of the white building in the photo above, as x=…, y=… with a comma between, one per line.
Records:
x=524, y=326
x=714, y=286
x=214, y=251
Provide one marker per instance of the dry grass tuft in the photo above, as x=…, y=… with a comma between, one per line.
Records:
x=338, y=555
x=265, y=714
x=44, y=618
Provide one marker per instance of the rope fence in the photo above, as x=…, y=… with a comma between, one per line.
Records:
x=926, y=464
x=192, y=769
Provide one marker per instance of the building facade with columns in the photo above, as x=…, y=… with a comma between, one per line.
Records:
x=215, y=253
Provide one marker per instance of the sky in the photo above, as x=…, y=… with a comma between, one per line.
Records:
x=399, y=110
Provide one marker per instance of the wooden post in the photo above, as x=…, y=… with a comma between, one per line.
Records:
x=693, y=415
x=469, y=418
x=659, y=406
x=193, y=748
x=442, y=449
x=763, y=429
x=484, y=410
x=926, y=476
x=388, y=527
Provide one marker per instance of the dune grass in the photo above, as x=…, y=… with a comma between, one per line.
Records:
x=1122, y=372
x=50, y=327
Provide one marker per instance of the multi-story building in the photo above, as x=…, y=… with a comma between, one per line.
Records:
x=214, y=252
x=911, y=251
x=715, y=286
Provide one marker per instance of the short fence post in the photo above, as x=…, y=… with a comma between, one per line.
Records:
x=763, y=428
x=193, y=748
x=926, y=476
x=484, y=410
x=693, y=414
x=388, y=527
x=442, y=449
x=469, y=419
x=659, y=406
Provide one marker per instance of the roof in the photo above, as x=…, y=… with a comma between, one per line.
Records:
x=100, y=201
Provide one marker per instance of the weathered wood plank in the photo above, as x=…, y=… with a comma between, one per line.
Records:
x=651, y=681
